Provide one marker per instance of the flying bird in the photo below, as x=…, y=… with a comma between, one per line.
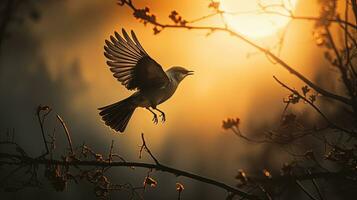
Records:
x=136, y=70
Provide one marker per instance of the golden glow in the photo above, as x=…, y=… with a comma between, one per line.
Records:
x=225, y=84
x=245, y=17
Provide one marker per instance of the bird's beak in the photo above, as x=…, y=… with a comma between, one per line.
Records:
x=190, y=73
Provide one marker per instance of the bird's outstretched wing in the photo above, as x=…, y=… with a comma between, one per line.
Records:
x=131, y=65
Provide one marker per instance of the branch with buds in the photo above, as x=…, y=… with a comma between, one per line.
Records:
x=73, y=166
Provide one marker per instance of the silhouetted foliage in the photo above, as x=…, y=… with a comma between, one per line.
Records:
x=331, y=165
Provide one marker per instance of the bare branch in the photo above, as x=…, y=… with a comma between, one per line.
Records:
x=340, y=65
x=248, y=41
x=316, y=187
x=305, y=190
x=332, y=125
x=159, y=167
x=145, y=147
x=302, y=97
x=41, y=121
x=67, y=133
x=354, y=8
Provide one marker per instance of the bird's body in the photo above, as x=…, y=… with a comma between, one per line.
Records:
x=135, y=69
x=155, y=96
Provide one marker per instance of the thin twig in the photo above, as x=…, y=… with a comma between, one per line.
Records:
x=316, y=187
x=332, y=125
x=158, y=167
x=67, y=133
x=354, y=8
x=309, y=18
x=204, y=17
x=236, y=131
x=111, y=152
x=340, y=65
x=305, y=190
x=41, y=122
x=302, y=97
x=250, y=42
x=145, y=147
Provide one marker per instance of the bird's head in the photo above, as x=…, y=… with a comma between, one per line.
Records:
x=179, y=73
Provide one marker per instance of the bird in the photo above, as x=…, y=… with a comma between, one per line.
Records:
x=132, y=66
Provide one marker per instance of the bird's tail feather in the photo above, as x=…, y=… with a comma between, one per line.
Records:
x=117, y=115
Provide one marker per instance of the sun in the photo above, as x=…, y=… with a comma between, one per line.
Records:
x=244, y=17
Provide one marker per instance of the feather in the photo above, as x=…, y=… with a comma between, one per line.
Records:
x=130, y=42
x=122, y=74
x=126, y=45
x=121, y=78
x=121, y=45
x=120, y=65
x=121, y=69
x=130, y=63
x=137, y=42
x=115, y=56
x=126, y=82
x=120, y=50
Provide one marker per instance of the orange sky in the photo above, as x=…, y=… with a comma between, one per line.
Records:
x=226, y=83
x=58, y=61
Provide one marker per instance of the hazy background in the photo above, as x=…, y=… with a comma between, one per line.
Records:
x=59, y=61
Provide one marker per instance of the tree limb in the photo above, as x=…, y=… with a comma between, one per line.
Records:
x=246, y=40
x=159, y=167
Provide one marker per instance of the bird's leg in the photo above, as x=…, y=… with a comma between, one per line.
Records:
x=154, y=119
x=162, y=115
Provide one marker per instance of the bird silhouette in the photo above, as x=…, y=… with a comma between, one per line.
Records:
x=136, y=70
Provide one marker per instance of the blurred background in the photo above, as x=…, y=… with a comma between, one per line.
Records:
x=57, y=60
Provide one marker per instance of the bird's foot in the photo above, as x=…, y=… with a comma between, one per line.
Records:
x=163, y=117
x=155, y=119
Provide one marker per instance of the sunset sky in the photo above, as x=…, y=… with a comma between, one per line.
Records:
x=226, y=82
x=231, y=79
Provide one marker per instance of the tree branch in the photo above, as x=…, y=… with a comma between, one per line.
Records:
x=337, y=20
x=354, y=8
x=145, y=147
x=67, y=133
x=253, y=44
x=305, y=190
x=26, y=160
x=331, y=124
x=41, y=121
x=340, y=66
